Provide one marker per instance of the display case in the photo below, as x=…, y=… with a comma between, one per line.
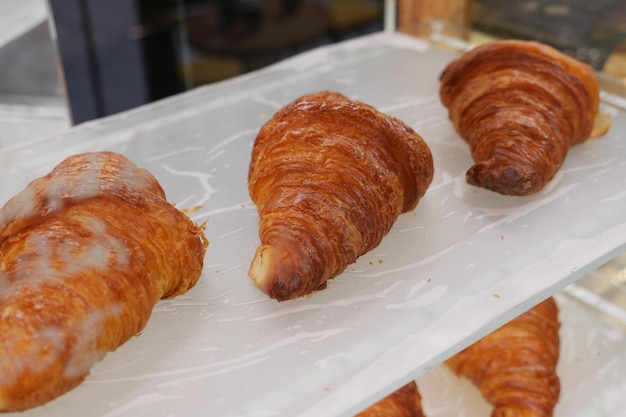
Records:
x=464, y=262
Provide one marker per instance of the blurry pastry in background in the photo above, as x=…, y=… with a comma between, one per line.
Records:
x=404, y=402
x=514, y=367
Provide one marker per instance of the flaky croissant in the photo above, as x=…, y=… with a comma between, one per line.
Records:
x=404, y=402
x=85, y=253
x=520, y=105
x=329, y=176
x=514, y=367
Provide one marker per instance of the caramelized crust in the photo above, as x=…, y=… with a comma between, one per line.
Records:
x=329, y=176
x=520, y=105
x=514, y=367
x=85, y=253
x=404, y=402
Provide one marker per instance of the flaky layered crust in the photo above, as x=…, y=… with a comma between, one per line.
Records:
x=404, y=402
x=329, y=176
x=520, y=105
x=85, y=253
x=514, y=367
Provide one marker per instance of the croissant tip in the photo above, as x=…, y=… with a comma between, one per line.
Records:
x=508, y=180
x=259, y=268
x=276, y=271
x=264, y=271
x=601, y=125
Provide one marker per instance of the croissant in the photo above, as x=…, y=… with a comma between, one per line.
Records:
x=514, y=367
x=520, y=105
x=404, y=402
x=329, y=176
x=85, y=253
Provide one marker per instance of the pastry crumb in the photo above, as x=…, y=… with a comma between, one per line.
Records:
x=191, y=210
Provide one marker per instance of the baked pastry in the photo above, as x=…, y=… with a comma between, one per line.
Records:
x=514, y=367
x=85, y=253
x=404, y=402
x=520, y=105
x=329, y=176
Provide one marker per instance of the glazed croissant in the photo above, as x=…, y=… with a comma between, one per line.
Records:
x=329, y=176
x=520, y=105
x=404, y=402
x=85, y=253
x=514, y=367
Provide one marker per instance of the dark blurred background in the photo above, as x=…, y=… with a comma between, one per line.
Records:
x=118, y=54
x=589, y=30
x=98, y=58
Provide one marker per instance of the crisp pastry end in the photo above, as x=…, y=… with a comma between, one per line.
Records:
x=601, y=125
x=275, y=272
x=260, y=267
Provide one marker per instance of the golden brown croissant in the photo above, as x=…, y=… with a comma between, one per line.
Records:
x=329, y=176
x=520, y=105
x=404, y=402
x=514, y=367
x=85, y=253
